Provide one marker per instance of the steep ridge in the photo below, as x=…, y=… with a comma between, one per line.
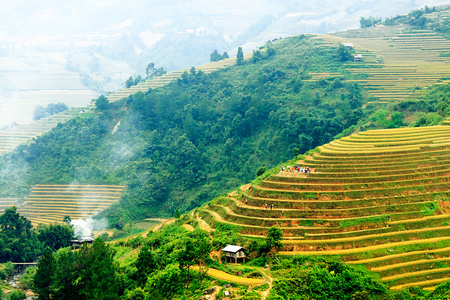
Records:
x=378, y=198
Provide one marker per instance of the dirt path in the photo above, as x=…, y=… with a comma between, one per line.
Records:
x=246, y=187
x=188, y=227
x=269, y=280
x=203, y=225
x=159, y=226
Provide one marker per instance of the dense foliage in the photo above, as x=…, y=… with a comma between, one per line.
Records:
x=51, y=109
x=316, y=278
x=17, y=238
x=19, y=242
x=179, y=146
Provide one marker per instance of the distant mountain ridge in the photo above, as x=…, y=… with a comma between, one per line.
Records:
x=102, y=44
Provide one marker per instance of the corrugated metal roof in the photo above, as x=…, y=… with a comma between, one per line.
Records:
x=232, y=248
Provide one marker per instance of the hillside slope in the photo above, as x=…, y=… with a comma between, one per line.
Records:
x=378, y=198
x=197, y=137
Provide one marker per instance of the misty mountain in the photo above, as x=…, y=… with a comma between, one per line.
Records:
x=93, y=47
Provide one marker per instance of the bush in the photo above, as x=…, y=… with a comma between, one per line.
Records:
x=17, y=295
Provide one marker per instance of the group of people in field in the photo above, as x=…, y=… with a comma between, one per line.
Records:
x=296, y=169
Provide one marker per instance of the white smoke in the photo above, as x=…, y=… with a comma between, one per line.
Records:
x=84, y=228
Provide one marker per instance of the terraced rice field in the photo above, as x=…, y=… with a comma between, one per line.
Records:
x=379, y=198
x=399, y=63
x=7, y=202
x=169, y=77
x=51, y=203
x=22, y=134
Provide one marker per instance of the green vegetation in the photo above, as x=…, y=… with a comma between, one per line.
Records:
x=319, y=278
x=178, y=146
x=51, y=109
x=19, y=242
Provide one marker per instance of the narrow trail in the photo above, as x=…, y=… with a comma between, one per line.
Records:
x=203, y=225
x=265, y=294
x=159, y=226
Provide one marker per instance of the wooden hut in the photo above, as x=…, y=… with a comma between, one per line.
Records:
x=77, y=243
x=234, y=253
x=357, y=58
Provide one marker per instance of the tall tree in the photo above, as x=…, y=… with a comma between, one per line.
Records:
x=145, y=264
x=273, y=239
x=240, y=56
x=215, y=56
x=102, y=103
x=343, y=53
x=96, y=269
x=64, y=279
x=202, y=250
x=186, y=258
x=17, y=239
x=43, y=276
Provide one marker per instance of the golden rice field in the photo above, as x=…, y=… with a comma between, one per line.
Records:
x=399, y=63
x=7, y=202
x=379, y=198
x=231, y=278
x=51, y=203
x=156, y=82
x=22, y=134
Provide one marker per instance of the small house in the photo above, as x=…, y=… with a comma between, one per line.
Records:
x=77, y=243
x=348, y=45
x=234, y=253
x=357, y=58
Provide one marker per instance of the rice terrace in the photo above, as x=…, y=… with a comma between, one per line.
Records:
x=377, y=198
x=356, y=123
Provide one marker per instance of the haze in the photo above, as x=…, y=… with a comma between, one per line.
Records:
x=72, y=52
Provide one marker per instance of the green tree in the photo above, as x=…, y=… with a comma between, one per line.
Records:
x=130, y=82
x=136, y=294
x=343, y=53
x=202, y=250
x=102, y=103
x=145, y=265
x=261, y=170
x=17, y=295
x=150, y=70
x=215, y=56
x=64, y=284
x=17, y=238
x=257, y=56
x=43, y=276
x=224, y=56
x=96, y=271
x=55, y=236
x=67, y=220
x=240, y=56
x=186, y=258
x=273, y=238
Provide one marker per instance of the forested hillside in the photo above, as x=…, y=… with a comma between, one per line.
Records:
x=178, y=146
